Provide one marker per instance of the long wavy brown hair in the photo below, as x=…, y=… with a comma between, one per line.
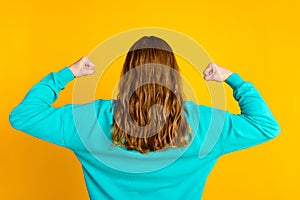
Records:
x=132, y=110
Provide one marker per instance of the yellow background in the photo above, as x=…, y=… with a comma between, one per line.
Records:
x=257, y=39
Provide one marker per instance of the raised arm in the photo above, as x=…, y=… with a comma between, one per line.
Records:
x=35, y=114
x=254, y=125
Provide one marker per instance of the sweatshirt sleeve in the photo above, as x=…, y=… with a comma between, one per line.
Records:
x=35, y=114
x=254, y=125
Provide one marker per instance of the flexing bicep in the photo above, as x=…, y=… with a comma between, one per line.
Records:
x=254, y=125
x=35, y=114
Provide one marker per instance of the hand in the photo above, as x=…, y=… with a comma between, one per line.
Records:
x=82, y=67
x=214, y=72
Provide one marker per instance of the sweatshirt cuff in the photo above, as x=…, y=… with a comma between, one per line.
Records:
x=234, y=80
x=65, y=75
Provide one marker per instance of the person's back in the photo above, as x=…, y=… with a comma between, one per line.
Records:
x=149, y=143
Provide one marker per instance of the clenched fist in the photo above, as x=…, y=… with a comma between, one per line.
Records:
x=214, y=72
x=82, y=67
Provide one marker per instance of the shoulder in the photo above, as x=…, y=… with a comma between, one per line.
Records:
x=99, y=111
x=195, y=107
x=104, y=107
x=195, y=112
x=104, y=103
x=94, y=109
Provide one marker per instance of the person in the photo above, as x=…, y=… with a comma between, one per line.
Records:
x=121, y=156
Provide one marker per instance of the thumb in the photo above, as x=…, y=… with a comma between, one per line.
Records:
x=88, y=62
x=207, y=70
x=210, y=69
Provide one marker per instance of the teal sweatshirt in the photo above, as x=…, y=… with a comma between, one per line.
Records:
x=117, y=173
